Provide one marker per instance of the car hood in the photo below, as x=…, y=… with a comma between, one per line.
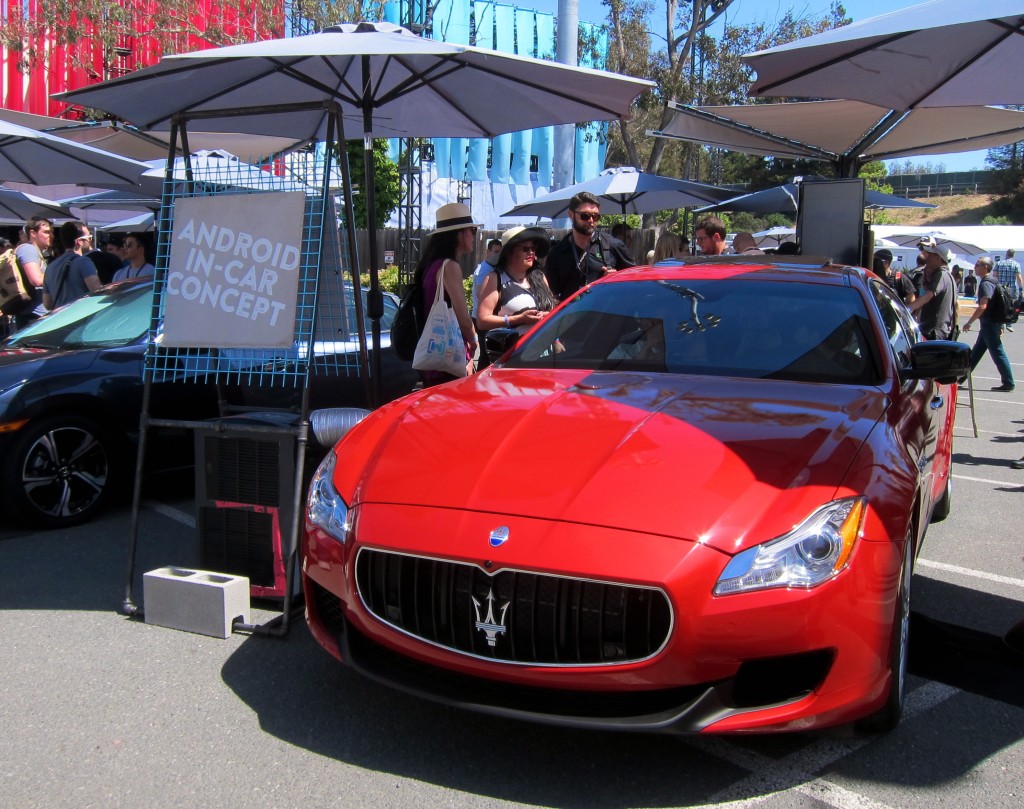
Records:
x=727, y=462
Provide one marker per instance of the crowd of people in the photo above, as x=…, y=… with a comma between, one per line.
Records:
x=61, y=264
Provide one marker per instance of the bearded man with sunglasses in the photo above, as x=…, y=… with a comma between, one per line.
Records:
x=585, y=254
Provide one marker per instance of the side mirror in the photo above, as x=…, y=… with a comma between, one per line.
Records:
x=498, y=342
x=944, y=361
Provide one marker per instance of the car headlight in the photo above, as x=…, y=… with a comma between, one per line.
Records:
x=810, y=554
x=324, y=507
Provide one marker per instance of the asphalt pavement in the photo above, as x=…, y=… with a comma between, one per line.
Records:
x=100, y=710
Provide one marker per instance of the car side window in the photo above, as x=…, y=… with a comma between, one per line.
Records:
x=899, y=326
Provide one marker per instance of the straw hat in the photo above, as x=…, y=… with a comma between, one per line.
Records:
x=513, y=236
x=454, y=216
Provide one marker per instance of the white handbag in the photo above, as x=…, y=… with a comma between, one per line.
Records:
x=441, y=347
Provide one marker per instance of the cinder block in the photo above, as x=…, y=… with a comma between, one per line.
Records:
x=195, y=600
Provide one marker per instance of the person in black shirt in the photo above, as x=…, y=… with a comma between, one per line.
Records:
x=585, y=254
x=898, y=281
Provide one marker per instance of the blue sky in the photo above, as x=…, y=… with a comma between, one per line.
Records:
x=743, y=12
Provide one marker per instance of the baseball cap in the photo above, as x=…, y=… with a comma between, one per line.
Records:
x=929, y=245
x=885, y=255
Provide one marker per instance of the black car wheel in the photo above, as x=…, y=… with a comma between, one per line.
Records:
x=889, y=715
x=58, y=471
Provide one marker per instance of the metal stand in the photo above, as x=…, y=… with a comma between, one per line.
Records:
x=162, y=359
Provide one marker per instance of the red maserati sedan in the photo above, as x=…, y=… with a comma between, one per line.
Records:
x=689, y=500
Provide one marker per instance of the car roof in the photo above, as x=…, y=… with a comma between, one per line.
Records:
x=791, y=269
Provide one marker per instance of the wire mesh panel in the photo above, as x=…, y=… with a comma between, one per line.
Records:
x=239, y=281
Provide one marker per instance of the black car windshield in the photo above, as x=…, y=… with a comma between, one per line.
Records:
x=111, y=318
x=712, y=327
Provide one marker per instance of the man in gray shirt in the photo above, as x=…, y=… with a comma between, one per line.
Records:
x=936, y=305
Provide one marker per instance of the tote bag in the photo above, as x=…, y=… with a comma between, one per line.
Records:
x=440, y=347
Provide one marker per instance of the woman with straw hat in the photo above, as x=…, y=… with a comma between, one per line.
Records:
x=516, y=295
x=455, y=235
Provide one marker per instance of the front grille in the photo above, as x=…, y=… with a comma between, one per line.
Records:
x=513, y=616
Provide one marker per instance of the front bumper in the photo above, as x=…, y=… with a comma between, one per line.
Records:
x=764, y=661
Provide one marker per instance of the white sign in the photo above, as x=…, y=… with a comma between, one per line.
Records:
x=389, y=256
x=233, y=274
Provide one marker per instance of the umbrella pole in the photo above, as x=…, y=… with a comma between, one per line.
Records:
x=375, y=301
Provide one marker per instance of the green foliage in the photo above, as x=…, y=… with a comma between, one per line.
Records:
x=387, y=185
x=389, y=281
x=996, y=220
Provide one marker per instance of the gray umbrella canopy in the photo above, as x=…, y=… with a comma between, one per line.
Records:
x=843, y=133
x=943, y=53
x=129, y=141
x=17, y=206
x=388, y=81
x=783, y=199
x=628, y=191
x=38, y=158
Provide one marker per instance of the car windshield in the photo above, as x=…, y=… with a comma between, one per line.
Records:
x=711, y=327
x=109, y=319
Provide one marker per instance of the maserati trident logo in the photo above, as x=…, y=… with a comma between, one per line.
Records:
x=488, y=625
x=499, y=536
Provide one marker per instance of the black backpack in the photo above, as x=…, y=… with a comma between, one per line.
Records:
x=407, y=326
x=1001, y=308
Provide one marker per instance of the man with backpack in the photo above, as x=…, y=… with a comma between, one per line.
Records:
x=990, y=326
x=585, y=254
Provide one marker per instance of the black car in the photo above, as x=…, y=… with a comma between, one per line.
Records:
x=71, y=395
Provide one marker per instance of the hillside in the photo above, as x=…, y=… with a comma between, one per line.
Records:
x=965, y=209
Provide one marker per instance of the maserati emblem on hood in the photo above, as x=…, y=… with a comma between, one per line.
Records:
x=490, y=626
x=499, y=536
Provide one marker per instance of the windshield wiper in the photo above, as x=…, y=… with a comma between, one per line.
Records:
x=710, y=321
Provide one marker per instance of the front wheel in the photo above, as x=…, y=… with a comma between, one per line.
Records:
x=58, y=471
x=889, y=715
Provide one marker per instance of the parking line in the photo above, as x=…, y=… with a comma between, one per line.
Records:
x=974, y=574
x=171, y=512
x=796, y=772
x=988, y=480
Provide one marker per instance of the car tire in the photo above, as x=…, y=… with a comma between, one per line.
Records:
x=889, y=715
x=945, y=503
x=59, y=471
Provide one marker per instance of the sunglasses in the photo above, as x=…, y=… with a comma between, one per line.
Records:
x=588, y=217
x=528, y=248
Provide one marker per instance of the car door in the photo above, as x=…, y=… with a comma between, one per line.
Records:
x=922, y=409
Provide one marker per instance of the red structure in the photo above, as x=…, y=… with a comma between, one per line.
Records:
x=73, y=55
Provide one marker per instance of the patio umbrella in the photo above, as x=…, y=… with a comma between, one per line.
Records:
x=943, y=53
x=139, y=223
x=129, y=141
x=113, y=200
x=632, y=191
x=949, y=242
x=773, y=237
x=390, y=81
x=843, y=133
x=38, y=158
x=783, y=199
x=17, y=206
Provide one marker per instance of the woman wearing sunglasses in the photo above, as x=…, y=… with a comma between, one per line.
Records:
x=516, y=295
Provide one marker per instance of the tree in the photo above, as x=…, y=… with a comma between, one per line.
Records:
x=387, y=185
x=686, y=26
